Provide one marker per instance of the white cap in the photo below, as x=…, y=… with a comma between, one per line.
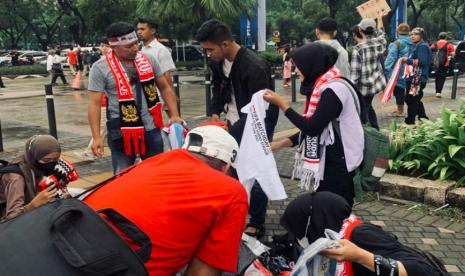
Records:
x=216, y=142
x=367, y=23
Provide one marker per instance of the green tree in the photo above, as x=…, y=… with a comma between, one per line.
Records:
x=181, y=18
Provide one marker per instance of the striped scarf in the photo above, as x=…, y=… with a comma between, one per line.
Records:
x=307, y=158
x=131, y=125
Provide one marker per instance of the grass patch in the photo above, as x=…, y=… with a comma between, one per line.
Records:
x=452, y=213
x=23, y=70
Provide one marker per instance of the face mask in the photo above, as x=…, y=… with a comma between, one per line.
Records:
x=46, y=168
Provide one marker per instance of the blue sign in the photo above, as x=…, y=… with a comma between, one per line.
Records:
x=249, y=30
x=399, y=16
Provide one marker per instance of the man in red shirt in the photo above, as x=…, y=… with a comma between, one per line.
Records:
x=186, y=203
x=441, y=71
x=72, y=60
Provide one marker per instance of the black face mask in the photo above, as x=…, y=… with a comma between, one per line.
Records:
x=46, y=168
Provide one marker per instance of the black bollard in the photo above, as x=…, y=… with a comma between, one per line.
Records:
x=1, y=137
x=294, y=85
x=208, y=93
x=176, y=90
x=52, y=124
x=454, y=83
x=273, y=82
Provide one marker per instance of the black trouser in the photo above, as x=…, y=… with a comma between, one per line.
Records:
x=370, y=111
x=415, y=105
x=56, y=74
x=441, y=75
x=399, y=93
x=1, y=82
x=336, y=178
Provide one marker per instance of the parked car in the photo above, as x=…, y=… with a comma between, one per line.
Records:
x=187, y=53
x=32, y=57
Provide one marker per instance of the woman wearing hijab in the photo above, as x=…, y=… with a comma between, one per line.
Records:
x=366, y=249
x=324, y=160
x=19, y=191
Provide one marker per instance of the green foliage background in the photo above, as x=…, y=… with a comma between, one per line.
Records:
x=35, y=24
x=434, y=149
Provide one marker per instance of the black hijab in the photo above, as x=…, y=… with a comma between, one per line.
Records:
x=313, y=60
x=327, y=210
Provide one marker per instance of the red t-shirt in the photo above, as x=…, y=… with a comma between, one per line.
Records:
x=187, y=209
x=72, y=57
x=450, y=49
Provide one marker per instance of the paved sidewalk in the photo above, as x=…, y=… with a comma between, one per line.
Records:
x=26, y=116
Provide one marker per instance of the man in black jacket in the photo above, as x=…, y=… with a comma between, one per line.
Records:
x=237, y=73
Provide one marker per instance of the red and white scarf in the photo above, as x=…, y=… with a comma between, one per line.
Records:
x=307, y=159
x=344, y=268
x=131, y=125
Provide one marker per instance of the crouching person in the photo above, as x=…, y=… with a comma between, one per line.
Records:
x=366, y=248
x=19, y=180
x=186, y=202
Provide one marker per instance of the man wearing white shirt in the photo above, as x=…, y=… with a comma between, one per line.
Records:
x=146, y=30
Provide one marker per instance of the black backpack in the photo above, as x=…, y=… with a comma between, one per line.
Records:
x=440, y=55
x=6, y=168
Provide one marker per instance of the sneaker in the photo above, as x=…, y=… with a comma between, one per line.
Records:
x=85, y=155
x=438, y=95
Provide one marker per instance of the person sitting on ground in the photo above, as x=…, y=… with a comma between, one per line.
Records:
x=328, y=100
x=326, y=32
x=19, y=184
x=363, y=244
x=186, y=202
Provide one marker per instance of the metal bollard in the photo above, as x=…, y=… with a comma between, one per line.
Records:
x=1, y=137
x=208, y=93
x=273, y=82
x=52, y=124
x=176, y=90
x=294, y=85
x=454, y=83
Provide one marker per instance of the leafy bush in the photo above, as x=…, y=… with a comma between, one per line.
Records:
x=23, y=70
x=272, y=58
x=435, y=149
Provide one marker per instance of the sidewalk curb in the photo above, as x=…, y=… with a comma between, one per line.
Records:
x=421, y=190
x=17, y=77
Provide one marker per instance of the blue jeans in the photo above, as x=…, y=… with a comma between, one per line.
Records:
x=120, y=161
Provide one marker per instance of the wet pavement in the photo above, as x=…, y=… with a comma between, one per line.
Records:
x=23, y=113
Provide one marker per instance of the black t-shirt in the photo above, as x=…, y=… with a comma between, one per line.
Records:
x=375, y=240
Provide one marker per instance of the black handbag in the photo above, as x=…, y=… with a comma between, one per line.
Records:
x=66, y=237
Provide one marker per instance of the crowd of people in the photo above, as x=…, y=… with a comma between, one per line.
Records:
x=189, y=201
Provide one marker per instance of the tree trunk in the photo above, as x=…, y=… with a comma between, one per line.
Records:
x=444, y=18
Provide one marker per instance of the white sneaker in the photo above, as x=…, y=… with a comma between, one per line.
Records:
x=438, y=95
x=86, y=155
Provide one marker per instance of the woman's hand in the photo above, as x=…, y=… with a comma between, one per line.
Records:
x=273, y=97
x=285, y=143
x=347, y=252
x=43, y=197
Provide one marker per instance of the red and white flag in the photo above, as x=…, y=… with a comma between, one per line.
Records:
x=388, y=91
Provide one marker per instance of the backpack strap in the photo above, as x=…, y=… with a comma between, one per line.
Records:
x=5, y=167
x=347, y=84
